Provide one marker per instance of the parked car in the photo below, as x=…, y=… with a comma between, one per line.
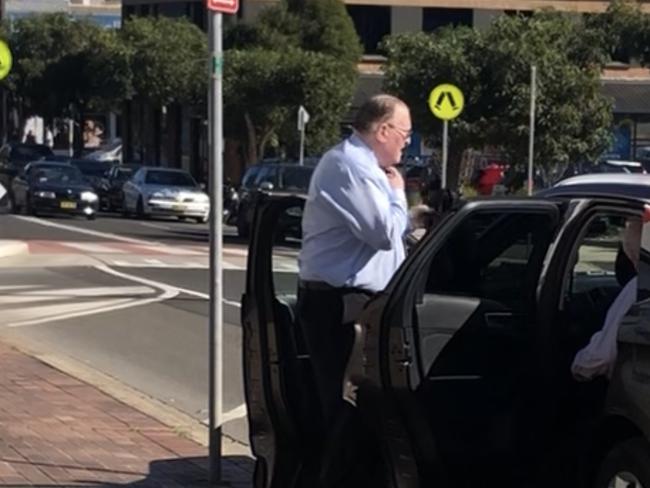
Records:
x=165, y=192
x=93, y=171
x=51, y=187
x=15, y=155
x=282, y=177
x=110, y=186
x=605, y=166
x=460, y=372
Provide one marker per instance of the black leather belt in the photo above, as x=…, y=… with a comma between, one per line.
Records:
x=322, y=286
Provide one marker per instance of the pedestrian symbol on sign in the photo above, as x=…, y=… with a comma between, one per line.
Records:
x=446, y=101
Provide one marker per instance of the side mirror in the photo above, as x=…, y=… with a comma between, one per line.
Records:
x=266, y=186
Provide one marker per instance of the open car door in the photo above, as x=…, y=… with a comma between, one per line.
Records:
x=446, y=348
x=277, y=377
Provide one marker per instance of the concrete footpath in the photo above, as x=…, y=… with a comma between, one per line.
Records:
x=56, y=430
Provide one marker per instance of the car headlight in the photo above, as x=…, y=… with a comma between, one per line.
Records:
x=157, y=194
x=45, y=194
x=88, y=196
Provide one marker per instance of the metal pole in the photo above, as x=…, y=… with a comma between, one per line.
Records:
x=302, y=146
x=5, y=117
x=445, y=143
x=531, y=141
x=216, y=244
x=70, y=137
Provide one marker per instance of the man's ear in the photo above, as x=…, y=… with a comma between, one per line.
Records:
x=381, y=133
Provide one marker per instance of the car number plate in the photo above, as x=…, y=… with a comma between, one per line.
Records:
x=178, y=207
x=68, y=204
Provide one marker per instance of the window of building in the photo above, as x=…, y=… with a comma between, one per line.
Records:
x=372, y=24
x=433, y=18
x=172, y=9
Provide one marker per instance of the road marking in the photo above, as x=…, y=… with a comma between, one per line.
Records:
x=156, y=226
x=160, y=284
x=90, y=247
x=56, y=312
x=48, y=295
x=233, y=414
x=20, y=287
x=72, y=228
x=164, y=248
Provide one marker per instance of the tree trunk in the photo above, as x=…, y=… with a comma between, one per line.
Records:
x=261, y=150
x=79, y=132
x=251, y=141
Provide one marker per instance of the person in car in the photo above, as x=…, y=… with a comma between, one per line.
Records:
x=598, y=357
x=354, y=222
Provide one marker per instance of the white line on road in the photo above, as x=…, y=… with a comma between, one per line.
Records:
x=91, y=247
x=72, y=228
x=20, y=287
x=160, y=284
x=71, y=310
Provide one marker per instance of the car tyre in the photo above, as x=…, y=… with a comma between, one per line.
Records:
x=201, y=220
x=242, y=228
x=125, y=209
x=627, y=464
x=15, y=208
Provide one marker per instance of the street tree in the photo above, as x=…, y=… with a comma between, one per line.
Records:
x=303, y=53
x=493, y=68
x=168, y=62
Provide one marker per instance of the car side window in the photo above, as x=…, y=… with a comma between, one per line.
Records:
x=493, y=255
x=601, y=263
x=249, y=177
x=268, y=174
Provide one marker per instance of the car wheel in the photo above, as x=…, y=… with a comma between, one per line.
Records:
x=29, y=208
x=627, y=464
x=91, y=216
x=201, y=220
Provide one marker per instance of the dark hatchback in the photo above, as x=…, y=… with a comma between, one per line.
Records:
x=49, y=187
x=460, y=374
x=110, y=185
x=272, y=177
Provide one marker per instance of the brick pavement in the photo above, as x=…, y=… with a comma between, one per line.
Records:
x=56, y=430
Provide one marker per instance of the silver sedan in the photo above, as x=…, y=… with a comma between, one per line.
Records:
x=154, y=191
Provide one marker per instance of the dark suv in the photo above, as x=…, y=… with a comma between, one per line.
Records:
x=277, y=177
x=461, y=371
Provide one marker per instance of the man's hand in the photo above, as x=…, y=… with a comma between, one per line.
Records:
x=395, y=178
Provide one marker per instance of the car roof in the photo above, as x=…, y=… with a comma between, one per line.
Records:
x=626, y=186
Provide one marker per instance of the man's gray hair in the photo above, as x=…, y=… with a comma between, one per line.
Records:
x=377, y=109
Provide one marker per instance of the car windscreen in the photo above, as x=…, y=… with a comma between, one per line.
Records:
x=297, y=179
x=124, y=173
x=55, y=174
x=26, y=153
x=92, y=168
x=169, y=178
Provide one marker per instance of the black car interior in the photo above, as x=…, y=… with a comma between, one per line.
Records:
x=473, y=326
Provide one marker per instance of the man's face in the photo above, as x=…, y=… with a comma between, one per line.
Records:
x=393, y=136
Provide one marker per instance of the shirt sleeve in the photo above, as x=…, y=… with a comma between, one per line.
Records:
x=376, y=215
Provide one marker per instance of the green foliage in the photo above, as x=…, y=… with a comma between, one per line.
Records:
x=303, y=53
x=52, y=52
x=619, y=31
x=168, y=59
x=493, y=69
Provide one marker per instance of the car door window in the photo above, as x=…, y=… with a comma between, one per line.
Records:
x=493, y=256
x=268, y=174
x=603, y=261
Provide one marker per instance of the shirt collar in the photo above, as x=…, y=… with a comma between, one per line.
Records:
x=356, y=141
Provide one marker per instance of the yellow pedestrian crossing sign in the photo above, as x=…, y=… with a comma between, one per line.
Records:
x=446, y=101
x=5, y=60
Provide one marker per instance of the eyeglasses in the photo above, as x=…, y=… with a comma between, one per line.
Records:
x=405, y=133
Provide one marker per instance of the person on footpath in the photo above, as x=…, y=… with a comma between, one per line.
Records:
x=354, y=222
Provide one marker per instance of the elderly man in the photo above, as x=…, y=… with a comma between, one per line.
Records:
x=353, y=226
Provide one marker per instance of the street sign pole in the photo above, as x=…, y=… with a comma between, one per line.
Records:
x=531, y=140
x=215, y=402
x=302, y=146
x=445, y=146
